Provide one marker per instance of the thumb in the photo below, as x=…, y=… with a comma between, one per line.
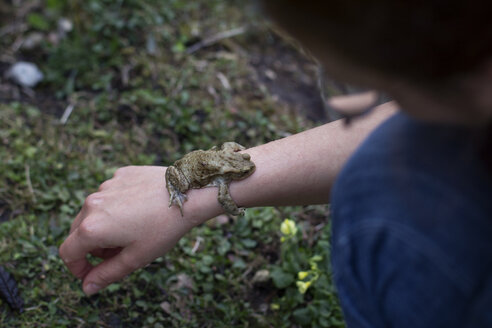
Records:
x=111, y=270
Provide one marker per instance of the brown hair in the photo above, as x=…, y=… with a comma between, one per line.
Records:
x=419, y=40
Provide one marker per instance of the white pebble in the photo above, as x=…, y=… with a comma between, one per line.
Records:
x=25, y=74
x=65, y=25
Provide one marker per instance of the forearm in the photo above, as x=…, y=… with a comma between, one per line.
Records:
x=301, y=169
x=296, y=170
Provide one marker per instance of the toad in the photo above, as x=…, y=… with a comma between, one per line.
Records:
x=209, y=168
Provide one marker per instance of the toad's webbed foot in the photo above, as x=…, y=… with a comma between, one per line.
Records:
x=227, y=202
x=177, y=198
x=173, y=185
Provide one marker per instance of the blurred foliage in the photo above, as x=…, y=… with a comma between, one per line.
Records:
x=304, y=273
x=138, y=98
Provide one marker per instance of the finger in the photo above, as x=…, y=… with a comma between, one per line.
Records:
x=79, y=268
x=78, y=219
x=75, y=248
x=92, y=203
x=111, y=270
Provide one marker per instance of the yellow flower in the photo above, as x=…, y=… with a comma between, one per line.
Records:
x=302, y=274
x=303, y=286
x=313, y=260
x=288, y=227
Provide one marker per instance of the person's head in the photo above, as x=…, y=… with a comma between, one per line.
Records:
x=433, y=56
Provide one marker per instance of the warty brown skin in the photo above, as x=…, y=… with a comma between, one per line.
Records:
x=207, y=168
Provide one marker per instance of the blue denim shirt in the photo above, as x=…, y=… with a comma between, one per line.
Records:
x=412, y=229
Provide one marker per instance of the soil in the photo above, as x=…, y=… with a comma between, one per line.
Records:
x=289, y=76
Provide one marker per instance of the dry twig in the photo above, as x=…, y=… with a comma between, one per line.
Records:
x=216, y=38
x=29, y=184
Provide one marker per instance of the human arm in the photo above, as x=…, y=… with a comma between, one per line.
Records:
x=300, y=169
x=128, y=222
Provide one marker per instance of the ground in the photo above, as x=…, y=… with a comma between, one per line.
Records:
x=139, y=96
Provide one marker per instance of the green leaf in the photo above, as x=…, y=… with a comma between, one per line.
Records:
x=54, y=4
x=303, y=316
x=280, y=278
x=113, y=287
x=249, y=243
x=238, y=263
x=224, y=247
x=38, y=21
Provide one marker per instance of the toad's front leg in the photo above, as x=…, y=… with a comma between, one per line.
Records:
x=232, y=146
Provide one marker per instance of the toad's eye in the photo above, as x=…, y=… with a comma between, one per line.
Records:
x=246, y=156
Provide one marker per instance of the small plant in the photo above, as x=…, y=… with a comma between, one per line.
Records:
x=288, y=229
x=313, y=275
x=304, y=276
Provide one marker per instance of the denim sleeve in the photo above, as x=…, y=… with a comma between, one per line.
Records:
x=390, y=276
x=412, y=230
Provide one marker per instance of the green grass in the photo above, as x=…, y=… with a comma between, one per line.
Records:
x=135, y=106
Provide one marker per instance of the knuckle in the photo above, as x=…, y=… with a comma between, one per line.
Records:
x=106, y=185
x=93, y=200
x=87, y=230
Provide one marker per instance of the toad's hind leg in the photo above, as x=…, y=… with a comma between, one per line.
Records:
x=227, y=202
x=232, y=146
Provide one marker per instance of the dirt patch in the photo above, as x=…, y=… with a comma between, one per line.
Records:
x=289, y=76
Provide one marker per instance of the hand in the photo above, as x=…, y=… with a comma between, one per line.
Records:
x=127, y=223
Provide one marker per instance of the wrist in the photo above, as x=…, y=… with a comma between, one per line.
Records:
x=202, y=205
